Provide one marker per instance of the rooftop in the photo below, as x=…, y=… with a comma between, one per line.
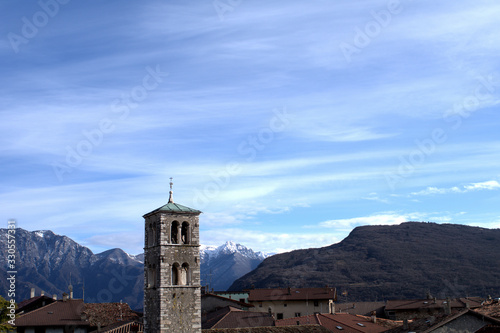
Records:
x=230, y=317
x=59, y=313
x=284, y=329
x=291, y=294
x=336, y=323
x=395, y=305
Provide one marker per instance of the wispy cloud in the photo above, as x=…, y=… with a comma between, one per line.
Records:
x=487, y=185
x=385, y=218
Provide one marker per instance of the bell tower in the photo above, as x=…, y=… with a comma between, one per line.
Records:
x=172, y=294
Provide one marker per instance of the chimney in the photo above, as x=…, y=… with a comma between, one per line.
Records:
x=447, y=306
x=374, y=317
x=42, y=293
x=331, y=306
x=65, y=297
x=70, y=287
x=32, y=293
x=54, y=297
x=289, y=291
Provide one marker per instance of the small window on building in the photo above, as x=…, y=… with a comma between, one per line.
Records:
x=175, y=274
x=285, y=305
x=242, y=300
x=151, y=276
x=279, y=316
x=298, y=322
x=152, y=235
x=174, y=233
x=185, y=275
x=339, y=327
x=297, y=314
x=260, y=305
x=316, y=303
x=185, y=235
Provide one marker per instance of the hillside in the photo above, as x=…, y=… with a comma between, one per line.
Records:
x=388, y=262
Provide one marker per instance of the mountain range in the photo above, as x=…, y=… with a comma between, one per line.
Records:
x=220, y=266
x=49, y=262
x=403, y=261
x=373, y=263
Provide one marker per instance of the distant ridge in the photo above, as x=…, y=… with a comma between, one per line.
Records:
x=390, y=262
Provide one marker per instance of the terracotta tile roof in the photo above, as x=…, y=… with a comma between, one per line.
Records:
x=360, y=308
x=242, y=304
x=416, y=304
x=108, y=313
x=59, y=313
x=284, y=329
x=432, y=323
x=490, y=309
x=291, y=294
x=341, y=322
x=230, y=317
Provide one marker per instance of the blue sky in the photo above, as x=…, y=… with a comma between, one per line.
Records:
x=288, y=123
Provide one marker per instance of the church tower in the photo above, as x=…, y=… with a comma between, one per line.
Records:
x=172, y=294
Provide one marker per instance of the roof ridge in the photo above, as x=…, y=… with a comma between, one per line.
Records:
x=49, y=305
x=42, y=307
x=218, y=321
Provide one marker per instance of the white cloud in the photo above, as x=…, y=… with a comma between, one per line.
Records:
x=384, y=218
x=487, y=185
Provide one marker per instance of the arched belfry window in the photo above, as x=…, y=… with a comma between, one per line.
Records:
x=185, y=275
x=185, y=233
x=152, y=234
x=175, y=274
x=174, y=233
x=151, y=276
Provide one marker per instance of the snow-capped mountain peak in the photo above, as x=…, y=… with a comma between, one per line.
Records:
x=222, y=265
x=230, y=247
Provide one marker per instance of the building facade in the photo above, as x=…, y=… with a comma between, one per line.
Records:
x=285, y=303
x=172, y=293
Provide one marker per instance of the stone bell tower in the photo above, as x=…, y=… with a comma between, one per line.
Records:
x=172, y=294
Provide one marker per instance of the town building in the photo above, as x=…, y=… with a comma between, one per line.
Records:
x=422, y=308
x=342, y=322
x=74, y=316
x=172, y=296
x=241, y=296
x=293, y=302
